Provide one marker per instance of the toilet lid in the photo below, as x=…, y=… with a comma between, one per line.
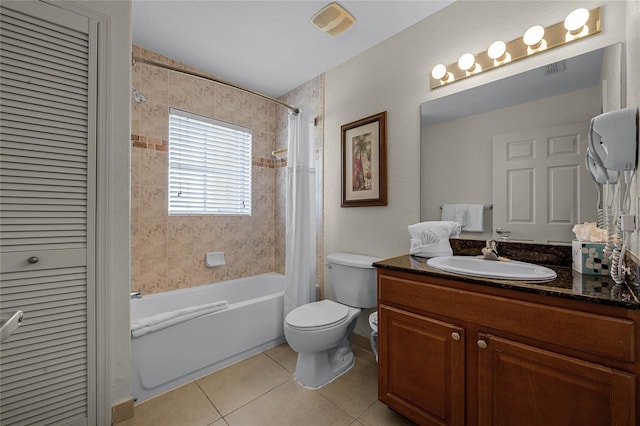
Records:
x=317, y=314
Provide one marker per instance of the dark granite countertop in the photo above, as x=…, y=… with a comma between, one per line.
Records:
x=569, y=284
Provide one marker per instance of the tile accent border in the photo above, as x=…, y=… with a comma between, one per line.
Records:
x=144, y=142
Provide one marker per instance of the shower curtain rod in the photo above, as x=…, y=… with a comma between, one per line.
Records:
x=214, y=79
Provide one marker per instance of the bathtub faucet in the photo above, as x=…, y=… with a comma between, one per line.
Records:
x=135, y=294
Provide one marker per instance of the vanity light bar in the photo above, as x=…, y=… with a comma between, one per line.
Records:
x=579, y=24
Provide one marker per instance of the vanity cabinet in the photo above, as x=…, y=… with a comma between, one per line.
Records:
x=459, y=353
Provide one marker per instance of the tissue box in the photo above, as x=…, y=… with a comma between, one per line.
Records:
x=588, y=258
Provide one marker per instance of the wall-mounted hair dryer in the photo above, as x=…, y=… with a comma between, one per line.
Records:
x=613, y=140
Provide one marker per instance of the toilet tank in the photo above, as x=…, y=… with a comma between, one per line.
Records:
x=353, y=279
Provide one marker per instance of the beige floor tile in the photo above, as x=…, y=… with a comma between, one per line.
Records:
x=380, y=415
x=186, y=405
x=356, y=423
x=290, y=404
x=355, y=390
x=284, y=355
x=238, y=384
x=219, y=422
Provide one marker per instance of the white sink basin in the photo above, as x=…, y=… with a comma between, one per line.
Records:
x=479, y=267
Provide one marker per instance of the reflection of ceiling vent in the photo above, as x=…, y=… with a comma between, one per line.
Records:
x=333, y=19
x=556, y=67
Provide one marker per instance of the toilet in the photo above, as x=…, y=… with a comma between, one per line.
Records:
x=321, y=331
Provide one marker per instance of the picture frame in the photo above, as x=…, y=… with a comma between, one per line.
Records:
x=364, y=162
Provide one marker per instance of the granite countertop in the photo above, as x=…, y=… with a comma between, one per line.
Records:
x=569, y=284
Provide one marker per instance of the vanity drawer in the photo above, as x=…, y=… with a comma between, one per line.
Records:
x=591, y=333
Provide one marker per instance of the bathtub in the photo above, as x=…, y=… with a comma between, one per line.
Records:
x=189, y=350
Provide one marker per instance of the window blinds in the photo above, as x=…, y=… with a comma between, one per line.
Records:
x=209, y=166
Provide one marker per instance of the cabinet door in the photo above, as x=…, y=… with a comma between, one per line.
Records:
x=524, y=385
x=421, y=367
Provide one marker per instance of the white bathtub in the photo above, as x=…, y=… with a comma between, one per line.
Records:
x=186, y=351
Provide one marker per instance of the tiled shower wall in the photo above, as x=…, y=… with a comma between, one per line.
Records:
x=168, y=251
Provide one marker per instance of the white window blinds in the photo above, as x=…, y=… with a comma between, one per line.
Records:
x=209, y=166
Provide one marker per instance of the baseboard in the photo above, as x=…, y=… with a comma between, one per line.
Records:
x=121, y=411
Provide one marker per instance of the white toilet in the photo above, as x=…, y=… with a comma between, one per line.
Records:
x=321, y=331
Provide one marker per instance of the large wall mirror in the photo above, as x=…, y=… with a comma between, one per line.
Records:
x=517, y=146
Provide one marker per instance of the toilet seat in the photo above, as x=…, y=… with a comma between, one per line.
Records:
x=317, y=315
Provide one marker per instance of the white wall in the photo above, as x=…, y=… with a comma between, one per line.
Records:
x=393, y=76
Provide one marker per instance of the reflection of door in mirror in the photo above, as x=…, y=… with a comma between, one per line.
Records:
x=536, y=190
x=458, y=130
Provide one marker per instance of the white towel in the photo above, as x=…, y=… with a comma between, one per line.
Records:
x=474, y=220
x=156, y=322
x=431, y=239
x=454, y=212
x=470, y=216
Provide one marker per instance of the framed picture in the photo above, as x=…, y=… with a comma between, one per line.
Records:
x=364, y=162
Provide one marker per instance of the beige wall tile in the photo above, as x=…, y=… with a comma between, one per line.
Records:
x=180, y=239
x=153, y=167
x=153, y=203
x=154, y=84
x=152, y=240
x=252, y=245
x=153, y=275
x=154, y=120
x=181, y=91
x=204, y=100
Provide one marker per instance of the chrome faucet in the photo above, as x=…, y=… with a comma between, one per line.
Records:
x=135, y=294
x=490, y=252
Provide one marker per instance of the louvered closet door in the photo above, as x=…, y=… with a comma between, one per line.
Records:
x=47, y=82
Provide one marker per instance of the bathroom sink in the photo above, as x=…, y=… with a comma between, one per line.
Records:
x=479, y=267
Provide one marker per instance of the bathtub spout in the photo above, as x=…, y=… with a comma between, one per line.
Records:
x=135, y=294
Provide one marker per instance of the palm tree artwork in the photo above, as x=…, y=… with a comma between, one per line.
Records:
x=361, y=162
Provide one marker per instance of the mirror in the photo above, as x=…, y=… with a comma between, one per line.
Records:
x=458, y=132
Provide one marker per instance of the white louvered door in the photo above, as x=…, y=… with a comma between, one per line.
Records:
x=47, y=214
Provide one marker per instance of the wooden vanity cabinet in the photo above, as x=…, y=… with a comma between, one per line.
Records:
x=455, y=353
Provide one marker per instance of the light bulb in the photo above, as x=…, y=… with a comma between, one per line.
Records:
x=576, y=20
x=466, y=61
x=439, y=71
x=533, y=35
x=497, y=49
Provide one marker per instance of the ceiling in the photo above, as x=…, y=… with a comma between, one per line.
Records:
x=268, y=46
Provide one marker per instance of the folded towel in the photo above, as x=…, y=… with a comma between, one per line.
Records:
x=431, y=239
x=152, y=323
x=454, y=212
x=474, y=220
x=470, y=216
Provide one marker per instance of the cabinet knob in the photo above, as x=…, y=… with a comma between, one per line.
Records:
x=33, y=259
x=482, y=344
x=455, y=336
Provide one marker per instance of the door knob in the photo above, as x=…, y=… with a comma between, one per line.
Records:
x=482, y=344
x=33, y=259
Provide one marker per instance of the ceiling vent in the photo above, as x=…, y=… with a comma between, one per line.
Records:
x=333, y=19
x=556, y=67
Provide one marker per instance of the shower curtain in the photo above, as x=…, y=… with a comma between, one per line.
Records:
x=300, y=257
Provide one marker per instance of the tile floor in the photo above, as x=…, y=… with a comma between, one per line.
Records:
x=261, y=391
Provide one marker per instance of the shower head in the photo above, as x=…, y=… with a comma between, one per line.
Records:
x=138, y=96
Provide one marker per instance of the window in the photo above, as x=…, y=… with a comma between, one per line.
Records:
x=209, y=166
